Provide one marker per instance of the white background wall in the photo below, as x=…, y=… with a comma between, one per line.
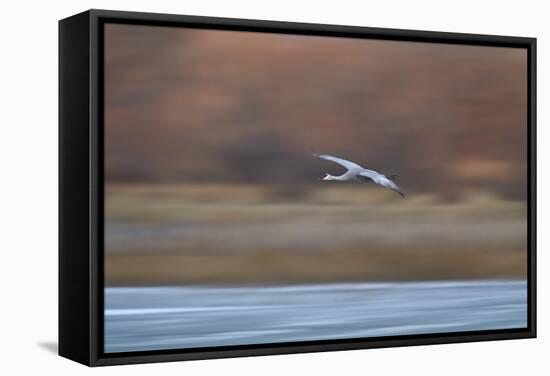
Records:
x=28, y=163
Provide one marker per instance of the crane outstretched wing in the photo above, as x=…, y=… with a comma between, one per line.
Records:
x=380, y=180
x=370, y=175
x=342, y=162
x=398, y=191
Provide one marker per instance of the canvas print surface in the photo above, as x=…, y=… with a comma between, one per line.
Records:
x=269, y=188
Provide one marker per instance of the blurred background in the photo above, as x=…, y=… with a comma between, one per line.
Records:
x=209, y=177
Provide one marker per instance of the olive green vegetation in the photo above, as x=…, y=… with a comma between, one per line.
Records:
x=247, y=234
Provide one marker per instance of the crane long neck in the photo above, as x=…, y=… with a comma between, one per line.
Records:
x=332, y=177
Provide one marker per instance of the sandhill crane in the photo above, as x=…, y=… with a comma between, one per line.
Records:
x=357, y=173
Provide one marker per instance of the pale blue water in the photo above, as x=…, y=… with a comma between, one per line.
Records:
x=157, y=318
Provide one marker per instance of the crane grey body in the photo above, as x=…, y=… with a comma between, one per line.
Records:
x=357, y=173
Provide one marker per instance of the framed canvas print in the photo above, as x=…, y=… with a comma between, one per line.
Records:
x=236, y=187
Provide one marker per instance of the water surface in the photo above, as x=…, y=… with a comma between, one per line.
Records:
x=156, y=318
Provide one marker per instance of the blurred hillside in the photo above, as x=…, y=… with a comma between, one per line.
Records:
x=195, y=106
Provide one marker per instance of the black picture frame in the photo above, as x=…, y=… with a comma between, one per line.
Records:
x=81, y=186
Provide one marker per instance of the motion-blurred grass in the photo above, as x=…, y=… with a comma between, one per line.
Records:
x=236, y=234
